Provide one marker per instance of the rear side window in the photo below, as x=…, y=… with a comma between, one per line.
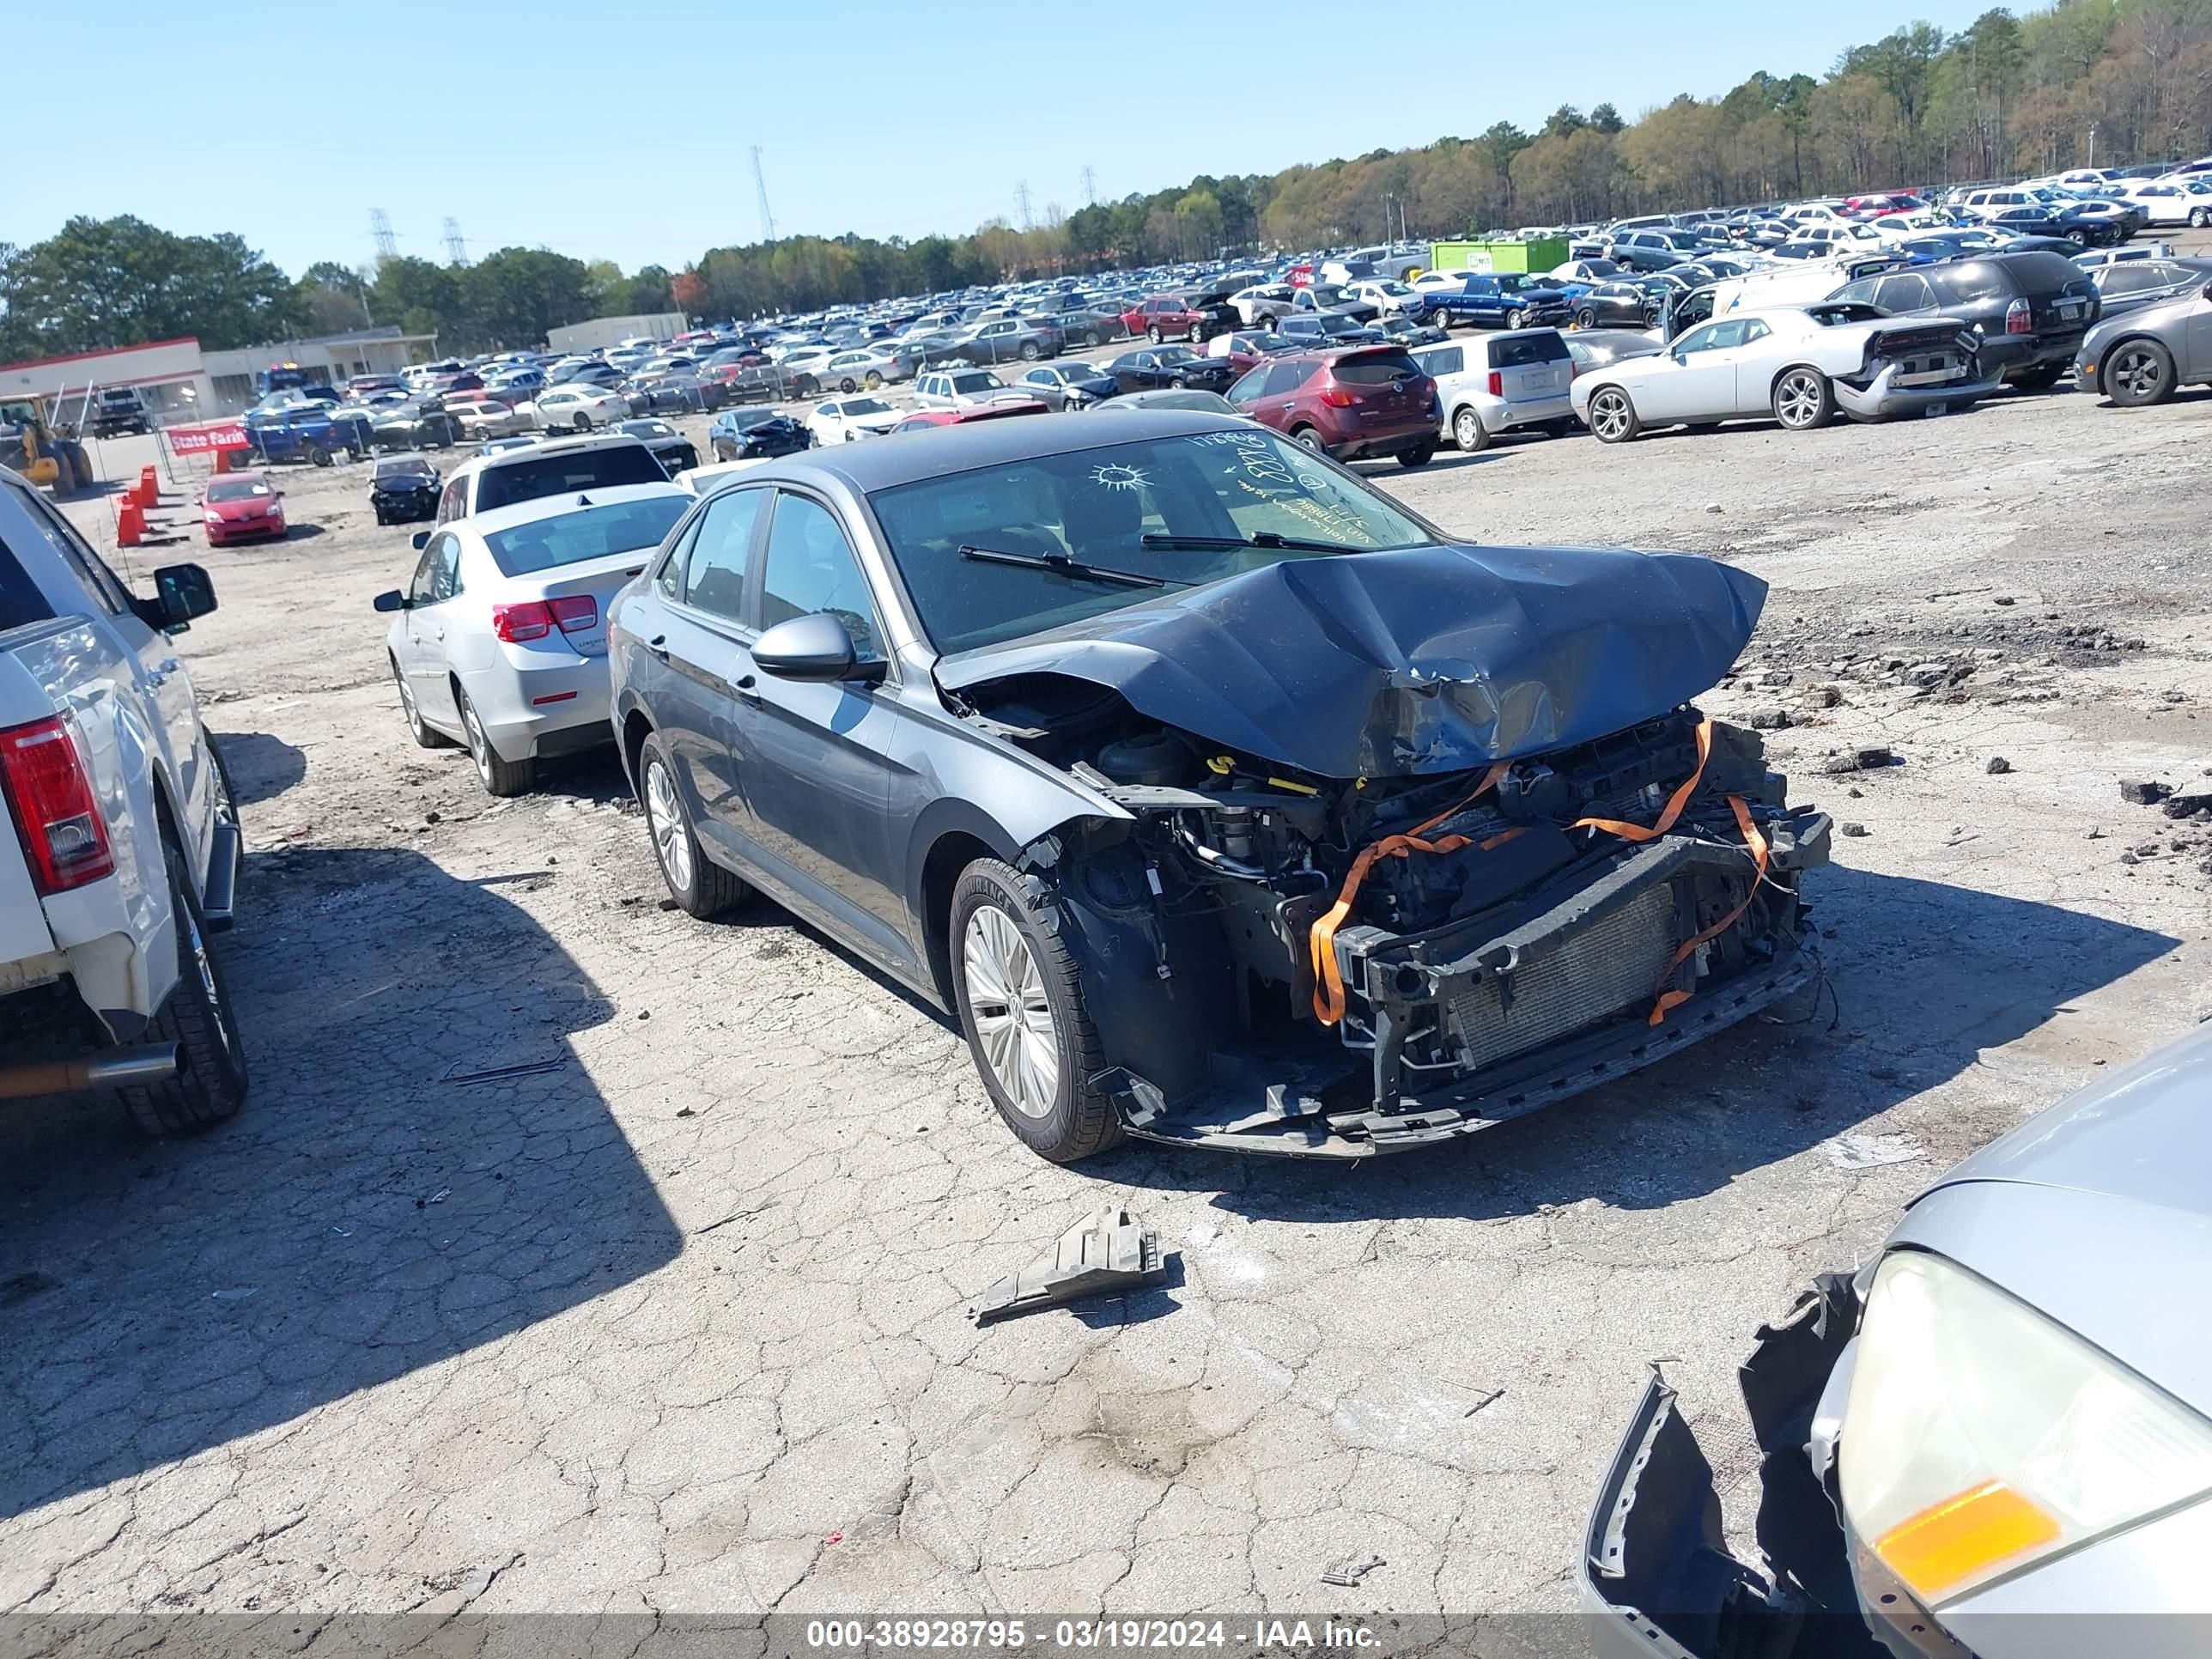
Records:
x=1975, y=280
x=1546, y=347
x=1375, y=368
x=558, y=475
x=20, y=601
x=715, y=580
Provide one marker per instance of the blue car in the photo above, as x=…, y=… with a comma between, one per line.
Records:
x=1509, y=300
x=305, y=432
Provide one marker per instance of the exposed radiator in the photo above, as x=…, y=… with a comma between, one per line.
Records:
x=1570, y=979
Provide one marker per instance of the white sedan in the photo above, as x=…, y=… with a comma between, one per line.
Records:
x=581, y=407
x=1259, y=305
x=1799, y=366
x=1386, y=296
x=500, y=640
x=491, y=419
x=842, y=420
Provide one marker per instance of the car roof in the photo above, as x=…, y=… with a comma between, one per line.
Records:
x=958, y=448
x=550, y=446
x=555, y=507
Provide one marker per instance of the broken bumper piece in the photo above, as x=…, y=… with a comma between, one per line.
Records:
x=1657, y=1571
x=1109, y=1251
x=1545, y=998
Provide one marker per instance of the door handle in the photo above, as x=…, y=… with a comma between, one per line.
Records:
x=748, y=689
x=659, y=646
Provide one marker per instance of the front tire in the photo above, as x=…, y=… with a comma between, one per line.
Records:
x=701, y=887
x=2198, y=218
x=1803, y=400
x=499, y=777
x=319, y=455
x=1516, y=318
x=425, y=736
x=1612, y=416
x=1197, y=334
x=1585, y=318
x=1030, y=352
x=197, y=1017
x=1021, y=1004
x=2138, y=373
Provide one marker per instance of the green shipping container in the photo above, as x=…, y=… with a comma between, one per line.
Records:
x=1540, y=255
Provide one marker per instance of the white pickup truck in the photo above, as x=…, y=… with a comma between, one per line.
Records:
x=119, y=843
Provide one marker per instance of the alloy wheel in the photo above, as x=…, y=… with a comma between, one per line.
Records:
x=666, y=819
x=479, y=744
x=1609, y=416
x=2137, y=373
x=1012, y=1014
x=1798, y=400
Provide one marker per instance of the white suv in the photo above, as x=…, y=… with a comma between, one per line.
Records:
x=558, y=467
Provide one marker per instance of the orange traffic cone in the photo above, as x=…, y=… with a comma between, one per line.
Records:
x=149, y=486
x=130, y=523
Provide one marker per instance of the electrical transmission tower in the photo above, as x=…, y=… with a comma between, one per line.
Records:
x=760, y=184
x=457, y=250
x=379, y=230
x=1021, y=203
x=1089, y=186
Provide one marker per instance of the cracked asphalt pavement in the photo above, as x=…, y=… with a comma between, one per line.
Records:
x=669, y=1313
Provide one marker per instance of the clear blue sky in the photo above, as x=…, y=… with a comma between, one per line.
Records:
x=622, y=132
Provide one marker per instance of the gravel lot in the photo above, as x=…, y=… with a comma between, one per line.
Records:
x=676, y=1323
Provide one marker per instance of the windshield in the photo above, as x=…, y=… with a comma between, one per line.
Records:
x=865, y=406
x=981, y=380
x=645, y=428
x=235, y=489
x=1098, y=508
x=595, y=532
x=561, y=474
x=405, y=466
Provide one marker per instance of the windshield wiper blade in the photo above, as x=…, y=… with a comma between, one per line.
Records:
x=1260, y=538
x=1062, y=564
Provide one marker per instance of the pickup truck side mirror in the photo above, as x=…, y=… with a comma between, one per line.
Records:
x=185, y=593
x=391, y=600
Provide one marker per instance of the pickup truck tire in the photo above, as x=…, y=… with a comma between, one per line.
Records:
x=197, y=1017
x=1517, y=318
x=701, y=887
x=426, y=737
x=319, y=455
x=501, y=778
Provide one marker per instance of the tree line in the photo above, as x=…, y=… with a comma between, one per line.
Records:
x=2080, y=82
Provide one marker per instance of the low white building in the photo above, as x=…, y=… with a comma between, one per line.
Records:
x=598, y=333
x=328, y=359
x=181, y=382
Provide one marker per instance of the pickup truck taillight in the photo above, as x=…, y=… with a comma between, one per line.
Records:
x=575, y=613
x=49, y=790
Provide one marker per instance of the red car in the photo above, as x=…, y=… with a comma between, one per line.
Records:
x=242, y=506
x=922, y=419
x=1356, y=404
x=1191, y=317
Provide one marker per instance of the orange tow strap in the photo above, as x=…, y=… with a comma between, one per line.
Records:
x=1757, y=843
x=1329, y=985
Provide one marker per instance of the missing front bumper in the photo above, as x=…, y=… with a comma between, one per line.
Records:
x=1533, y=1002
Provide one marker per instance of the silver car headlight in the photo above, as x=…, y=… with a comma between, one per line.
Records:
x=1981, y=1437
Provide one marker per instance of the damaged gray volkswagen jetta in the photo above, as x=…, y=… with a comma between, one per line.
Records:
x=1226, y=802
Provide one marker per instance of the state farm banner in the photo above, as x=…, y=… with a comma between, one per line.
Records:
x=202, y=438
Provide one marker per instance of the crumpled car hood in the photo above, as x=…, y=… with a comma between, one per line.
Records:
x=1430, y=659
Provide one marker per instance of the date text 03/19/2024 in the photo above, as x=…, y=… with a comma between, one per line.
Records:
x=1087, y=1635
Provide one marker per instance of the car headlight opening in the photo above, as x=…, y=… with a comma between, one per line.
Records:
x=1981, y=1436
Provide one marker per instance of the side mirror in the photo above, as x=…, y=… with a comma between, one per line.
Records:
x=185, y=592
x=814, y=647
x=419, y=540
x=393, y=600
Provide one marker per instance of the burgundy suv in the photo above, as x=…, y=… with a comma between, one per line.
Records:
x=1356, y=404
x=1191, y=317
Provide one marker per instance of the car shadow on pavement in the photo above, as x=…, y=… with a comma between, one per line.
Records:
x=261, y=767
x=424, y=1166
x=1921, y=978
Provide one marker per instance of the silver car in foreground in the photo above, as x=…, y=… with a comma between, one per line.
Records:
x=2142, y=357
x=1995, y=1438
x=1799, y=365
